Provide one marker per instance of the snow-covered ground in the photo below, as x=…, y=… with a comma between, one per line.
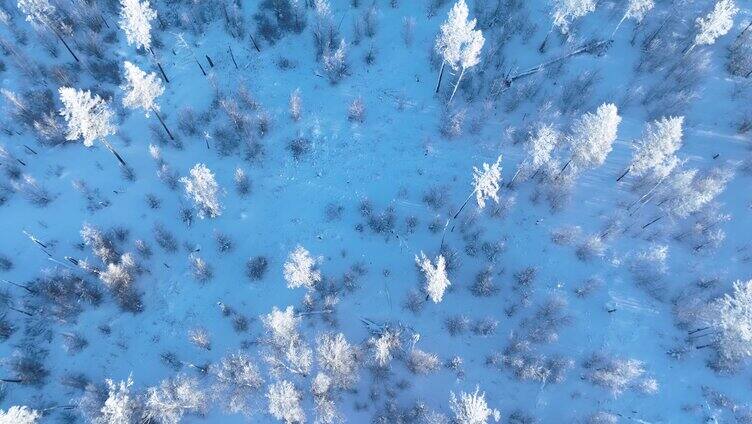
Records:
x=576, y=319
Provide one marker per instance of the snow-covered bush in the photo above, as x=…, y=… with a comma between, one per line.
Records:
x=203, y=189
x=422, y=363
x=471, y=408
x=296, y=105
x=617, y=374
x=334, y=62
x=301, y=269
x=357, y=110
x=435, y=276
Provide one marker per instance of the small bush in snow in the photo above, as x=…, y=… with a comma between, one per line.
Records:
x=435, y=276
x=256, y=268
x=471, y=408
x=356, y=111
x=203, y=189
x=422, y=363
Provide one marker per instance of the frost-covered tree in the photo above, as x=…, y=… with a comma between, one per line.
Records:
x=203, y=189
x=715, y=24
x=135, y=21
x=636, y=9
x=384, y=346
x=564, y=13
x=174, y=398
x=284, y=402
x=236, y=380
x=436, y=280
x=654, y=152
x=471, y=408
x=732, y=318
x=42, y=13
x=338, y=358
x=141, y=91
x=458, y=43
x=121, y=407
x=451, y=35
x=486, y=182
x=19, y=415
x=300, y=269
x=539, y=147
x=289, y=352
x=469, y=55
x=88, y=117
x=690, y=191
x=592, y=137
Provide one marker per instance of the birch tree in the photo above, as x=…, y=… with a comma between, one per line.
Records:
x=435, y=276
x=458, y=43
x=539, y=147
x=715, y=24
x=733, y=321
x=88, y=117
x=120, y=407
x=19, y=415
x=284, y=402
x=564, y=13
x=135, y=21
x=470, y=56
x=636, y=9
x=654, y=152
x=141, y=92
x=42, y=13
x=592, y=136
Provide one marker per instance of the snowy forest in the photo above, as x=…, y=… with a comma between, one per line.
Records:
x=376, y=211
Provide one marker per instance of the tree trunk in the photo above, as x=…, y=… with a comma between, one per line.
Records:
x=254, y=44
x=459, y=80
x=199, y=65
x=159, y=65
x=618, y=25
x=443, y=233
x=208, y=59
x=542, y=47
x=117, y=155
x=623, y=175
x=60, y=37
x=514, y=177
x=232, y=56
x=163, y=124
x=564, y=167
x=441, y=74
x=652, y=222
